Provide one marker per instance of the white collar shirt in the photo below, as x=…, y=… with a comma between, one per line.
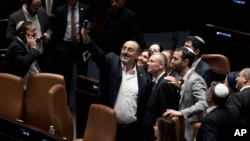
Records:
x=35, y=21
x=126, y=102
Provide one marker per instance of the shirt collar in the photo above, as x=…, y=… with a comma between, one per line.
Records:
x=25, y=10
x=209, y=109
x=25, y=44
x=157, y=79
x=76, y=6
x=132, y=72
x=186, y=75
x=244, y=88
x=195, y=63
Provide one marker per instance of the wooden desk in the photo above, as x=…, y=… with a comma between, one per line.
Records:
x=85, y=95
x=12, y=130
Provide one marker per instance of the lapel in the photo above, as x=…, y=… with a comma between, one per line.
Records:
x=65, y=13
x=199, y=66
x=152, y=94
x=43, y=4
x=81, y=13
x=184, y=86
x=140, y=81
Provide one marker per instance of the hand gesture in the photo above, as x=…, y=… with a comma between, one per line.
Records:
x=31, y=41
x=85, y=32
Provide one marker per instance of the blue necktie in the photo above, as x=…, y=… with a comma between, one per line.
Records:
x=153, y=86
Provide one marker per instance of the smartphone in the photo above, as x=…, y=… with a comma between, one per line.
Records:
x=89, y=25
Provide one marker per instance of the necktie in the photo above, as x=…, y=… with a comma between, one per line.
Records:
x=153, y=86
x=73, y=27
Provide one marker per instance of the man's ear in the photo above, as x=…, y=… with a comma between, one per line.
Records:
x=197, y=51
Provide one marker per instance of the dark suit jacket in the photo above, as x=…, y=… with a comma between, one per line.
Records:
x=120, y=28
x=61, y=19
x=220, y=124
x=242, y=101
x=165, y=96
x=55, y=4
x=206, y=72
x=19, y=59
x=17, y=16
x=111, y=77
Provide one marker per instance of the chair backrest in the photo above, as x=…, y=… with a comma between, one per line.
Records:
x=11, y=96
x=179, y=127
x=101, y=124
x=59, y=112
x=219, y=63
x=36, y=98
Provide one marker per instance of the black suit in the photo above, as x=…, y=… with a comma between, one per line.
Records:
x=164, y=96
x=242, y=101
x=206, y=72
x=68, y=54
x=44, y=59
x=220, y=125
x=110, y=80
x=55, y=4
x=119, y=28
x=19, y=59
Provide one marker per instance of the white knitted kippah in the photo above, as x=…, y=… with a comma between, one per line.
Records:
x=19, y=24
x=221, y=90
x=200, y=39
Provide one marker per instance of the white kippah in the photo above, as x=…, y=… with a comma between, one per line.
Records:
x=221, y=90
x=19, y=24
x=200, y=39
x=189, y=49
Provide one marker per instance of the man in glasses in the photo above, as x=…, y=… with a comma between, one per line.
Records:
x=221, y=120
x=123, y=86
x=32, y=11
x=242, y=98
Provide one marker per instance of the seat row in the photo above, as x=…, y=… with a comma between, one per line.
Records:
x=44, y=103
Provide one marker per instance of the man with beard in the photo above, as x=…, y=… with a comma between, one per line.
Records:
x=192, y=104
x=22, y=52
x=32, y=11
x=123, y=86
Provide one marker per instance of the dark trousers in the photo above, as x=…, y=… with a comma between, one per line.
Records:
x=68, y=56
x=130, y=132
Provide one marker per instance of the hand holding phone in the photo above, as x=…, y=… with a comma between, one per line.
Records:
x=89, y=25
x=31, y=41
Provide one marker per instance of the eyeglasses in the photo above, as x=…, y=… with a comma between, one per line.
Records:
x=241, y=76
x=129, y=49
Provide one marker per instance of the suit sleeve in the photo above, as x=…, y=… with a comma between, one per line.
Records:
x=10, y=34
x=198, y=96
x=169, y=97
